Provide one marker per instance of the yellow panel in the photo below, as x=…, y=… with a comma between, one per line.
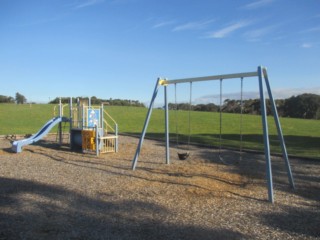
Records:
x=88, y=140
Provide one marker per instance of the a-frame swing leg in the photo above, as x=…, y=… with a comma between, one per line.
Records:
x=265, y=136
x=166, y=125
x=279, y=130
x=146, y=123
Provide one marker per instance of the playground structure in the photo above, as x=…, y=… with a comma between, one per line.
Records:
x=92, y=129
x=262, y=75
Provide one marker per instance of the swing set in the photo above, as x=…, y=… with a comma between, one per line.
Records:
x=262, y=75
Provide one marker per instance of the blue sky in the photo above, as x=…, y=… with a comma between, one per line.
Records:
x=118, y=48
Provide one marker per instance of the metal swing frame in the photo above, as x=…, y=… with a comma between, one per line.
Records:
x=262, y=75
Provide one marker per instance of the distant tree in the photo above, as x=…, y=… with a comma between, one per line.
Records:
x=302, y=106
x=20, y=99
x=64, y=100
x=210, y=107
x=231, y=106
x=251, y=106
x=172, y=106
x=318, y=113
x=5, y=99
x=95, y=101
x=280, y=107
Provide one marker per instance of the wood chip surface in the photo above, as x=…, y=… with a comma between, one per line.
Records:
x=50, y=192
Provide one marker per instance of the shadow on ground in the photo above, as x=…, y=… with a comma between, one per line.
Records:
x=252, y=164
x=295, y=221
x=31, y=210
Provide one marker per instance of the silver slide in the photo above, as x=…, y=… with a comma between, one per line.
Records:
x=17, y=145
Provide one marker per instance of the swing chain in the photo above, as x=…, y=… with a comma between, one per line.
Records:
x=189, y=119
x=241, y=118
x=176, y=114
x=220, y=117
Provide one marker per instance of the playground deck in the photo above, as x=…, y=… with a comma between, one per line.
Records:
x=48, y=192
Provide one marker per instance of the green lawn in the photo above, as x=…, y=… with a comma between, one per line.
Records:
x=302, y=136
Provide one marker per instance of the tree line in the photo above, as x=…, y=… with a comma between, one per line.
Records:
x=302, y=106
x=19, y=99
x=97, y=101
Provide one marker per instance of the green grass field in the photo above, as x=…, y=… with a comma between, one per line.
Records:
x=302, y=136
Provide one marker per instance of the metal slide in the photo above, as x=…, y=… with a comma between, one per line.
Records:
x=17, y=145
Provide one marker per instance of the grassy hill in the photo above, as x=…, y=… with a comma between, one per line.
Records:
x=302, y=136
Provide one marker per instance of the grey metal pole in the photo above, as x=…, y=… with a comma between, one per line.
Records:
x=97, y=140
x=101, y=119
x=167, y=126
x=265, y=136
x=70, y=113
x=60, y=123
x=83, y=116
x=279, y=130
x=70, y=123
x=155, y=92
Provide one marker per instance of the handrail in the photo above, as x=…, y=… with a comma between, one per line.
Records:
x=109, y=116
x=63, y=106
x=108, y=125
x=108, y=137
x=54, y=109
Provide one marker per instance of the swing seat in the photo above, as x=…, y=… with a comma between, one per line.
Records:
x=183, y=156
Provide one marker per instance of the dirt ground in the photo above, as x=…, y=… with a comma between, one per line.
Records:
x=49, y=192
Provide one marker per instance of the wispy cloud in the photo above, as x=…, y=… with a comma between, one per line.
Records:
x=257, y=34
x=42, y=21
x=215, y=98
x=280, y=93
x=163, y=24
x=306, y=45
x=311, y=30
x=121, y=1
x=224, y=32
x=88, y=3
x=193, y=25
x=257, y=4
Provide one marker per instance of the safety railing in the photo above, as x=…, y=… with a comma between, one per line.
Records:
x=108, y=144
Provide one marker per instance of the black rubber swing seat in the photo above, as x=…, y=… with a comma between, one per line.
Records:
x=183, y=156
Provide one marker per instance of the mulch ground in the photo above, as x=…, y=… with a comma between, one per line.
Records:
x=50, y=192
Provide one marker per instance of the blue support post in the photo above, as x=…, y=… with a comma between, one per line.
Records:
x=167, y=125
x=155, y=92
x=265, y=136
x=279, y=130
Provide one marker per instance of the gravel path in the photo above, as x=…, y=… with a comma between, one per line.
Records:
x=49, y=192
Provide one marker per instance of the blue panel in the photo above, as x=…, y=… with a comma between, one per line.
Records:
x=93, y=117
